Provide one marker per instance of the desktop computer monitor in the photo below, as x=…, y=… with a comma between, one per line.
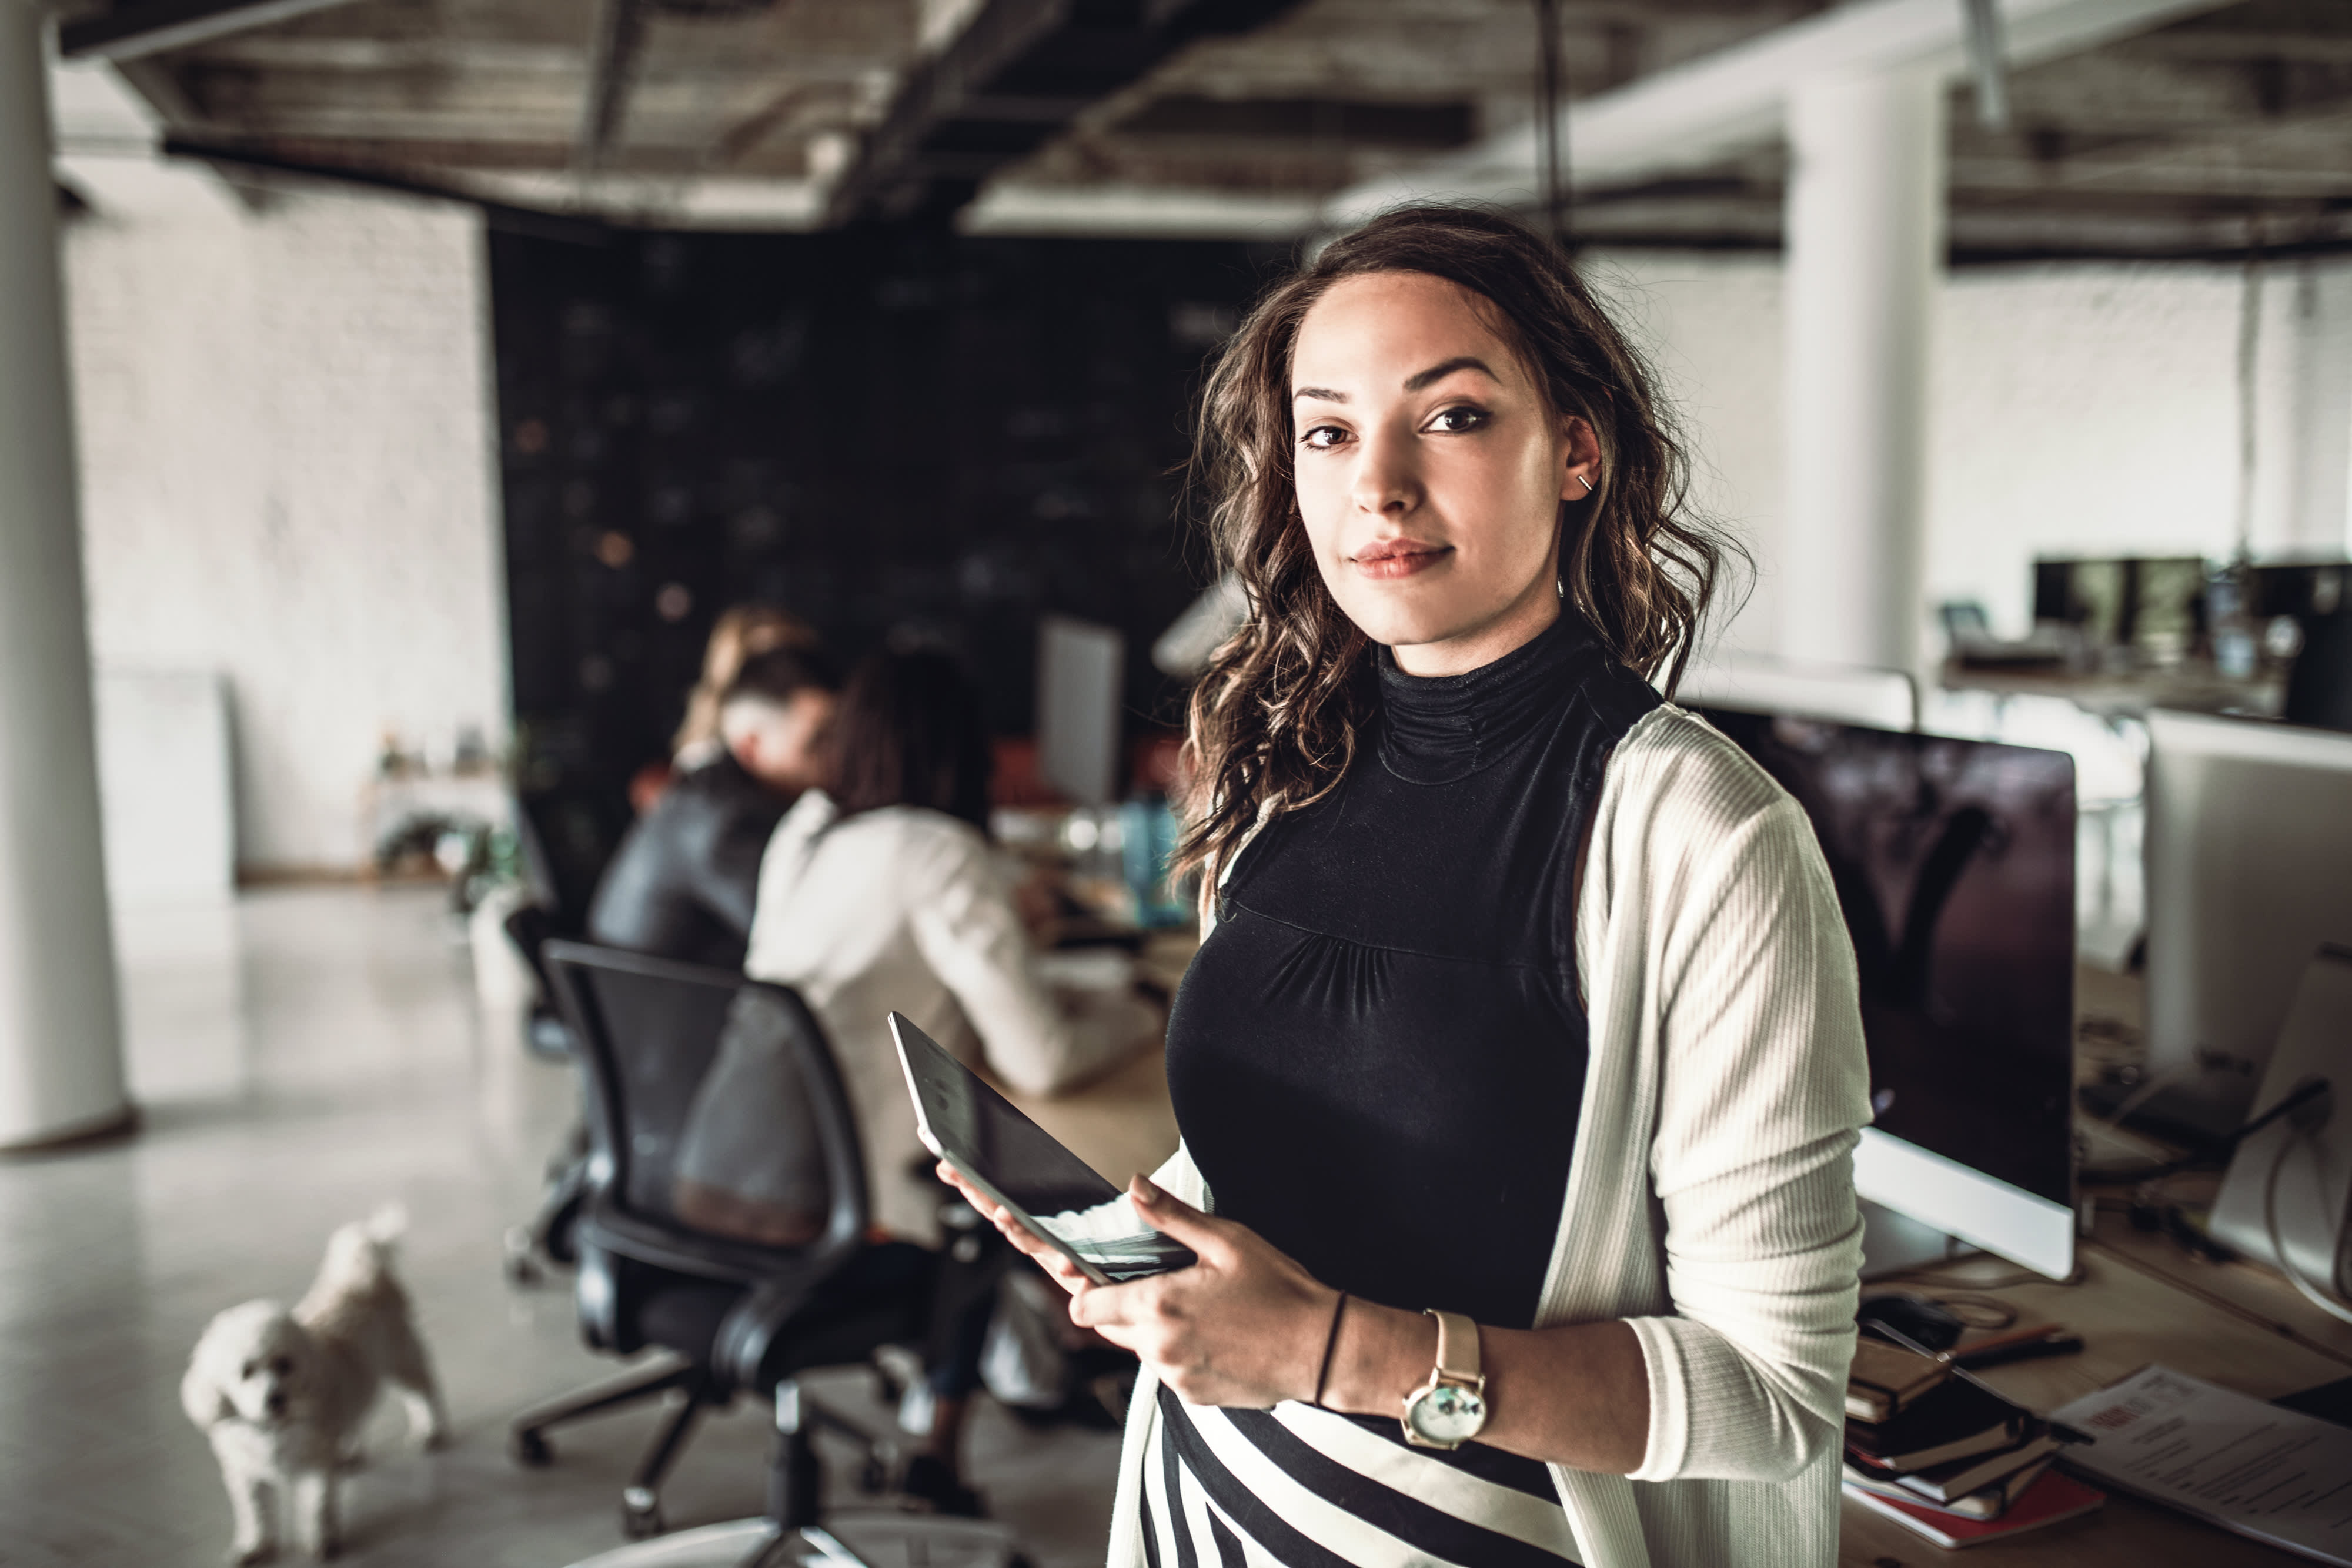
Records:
x=2155, y=604
x=2249, y=875
x=1080, y=666
x=1954, y=864
x=1850, y=694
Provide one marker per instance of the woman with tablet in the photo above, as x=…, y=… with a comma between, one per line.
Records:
x=1520, y=1068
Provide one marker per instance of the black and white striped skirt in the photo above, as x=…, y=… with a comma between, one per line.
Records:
x=1296, y=1486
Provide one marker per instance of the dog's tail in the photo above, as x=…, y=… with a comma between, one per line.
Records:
x=360, y=1255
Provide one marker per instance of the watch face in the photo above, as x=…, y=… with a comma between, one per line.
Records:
x=1449, y=1413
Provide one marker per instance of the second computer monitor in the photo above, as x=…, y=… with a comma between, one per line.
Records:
x=1080, y=666
x=2249, y=875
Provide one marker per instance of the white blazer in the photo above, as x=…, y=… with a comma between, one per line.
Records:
x=902, y=909
x=1710, y=1201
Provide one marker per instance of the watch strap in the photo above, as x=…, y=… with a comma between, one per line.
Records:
x=1458, y=1359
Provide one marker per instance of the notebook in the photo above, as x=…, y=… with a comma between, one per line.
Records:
x=1886, y=1378
x=2056, y=1496
x=1943, y=1483
x=1953, y=1422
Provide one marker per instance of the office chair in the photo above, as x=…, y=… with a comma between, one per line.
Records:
x=567, y=836
x=530, y=928
x=737, y=1315
x=546, y=1237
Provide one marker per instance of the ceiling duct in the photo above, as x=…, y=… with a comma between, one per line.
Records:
x=1013, y=80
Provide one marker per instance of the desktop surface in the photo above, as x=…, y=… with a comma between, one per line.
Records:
x=2138, y=1300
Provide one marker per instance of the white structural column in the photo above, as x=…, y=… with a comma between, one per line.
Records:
x=1865, y=224
x=60, y=1038
x=2318, y=423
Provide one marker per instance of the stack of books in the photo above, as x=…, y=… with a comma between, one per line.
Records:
x=1947, y=1459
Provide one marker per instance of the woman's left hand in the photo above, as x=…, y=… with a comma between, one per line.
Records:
x=1243, y=1326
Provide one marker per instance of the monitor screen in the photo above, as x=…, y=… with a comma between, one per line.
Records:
x=1954, y=861
x=1079, y=671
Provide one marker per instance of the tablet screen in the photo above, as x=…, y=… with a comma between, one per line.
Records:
x=1057, y=1194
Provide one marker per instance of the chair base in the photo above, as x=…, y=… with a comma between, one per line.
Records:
x=641, y=1514
x=796, y=1481
x=872, y=1541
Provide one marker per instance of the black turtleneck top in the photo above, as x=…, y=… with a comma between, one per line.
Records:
x=1378, y=1057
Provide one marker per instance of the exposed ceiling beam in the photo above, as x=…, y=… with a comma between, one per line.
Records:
x=1012, y=80
x=150, y=26
x=571, y=228
x=1694, y=114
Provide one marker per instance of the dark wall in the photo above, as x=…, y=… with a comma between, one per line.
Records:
x=894, y=434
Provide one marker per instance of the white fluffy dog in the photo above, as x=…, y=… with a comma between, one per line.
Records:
x=282, y=1395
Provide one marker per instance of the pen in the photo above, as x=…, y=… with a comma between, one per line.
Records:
x=2059, y=1343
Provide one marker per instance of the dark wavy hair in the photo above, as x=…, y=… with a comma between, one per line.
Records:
x=908, y=732
x=1277, y=719
x=778, y=675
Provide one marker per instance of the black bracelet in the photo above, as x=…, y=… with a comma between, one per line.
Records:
x=1330, y=1344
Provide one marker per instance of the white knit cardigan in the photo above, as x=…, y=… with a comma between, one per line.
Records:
x=1710, y=1200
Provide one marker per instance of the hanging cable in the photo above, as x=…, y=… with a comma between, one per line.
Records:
x=1550, y=137
x=2250, y=339
x=2325, y=1301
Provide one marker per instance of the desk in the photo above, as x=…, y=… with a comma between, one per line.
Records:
x=2139, y=1300
x=1121, y=1124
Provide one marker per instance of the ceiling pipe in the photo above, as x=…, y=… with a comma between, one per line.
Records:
x=1988, y=63
x=1693, y=116
x=134, y=32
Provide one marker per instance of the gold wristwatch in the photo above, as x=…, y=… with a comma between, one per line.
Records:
x=1449, y=1409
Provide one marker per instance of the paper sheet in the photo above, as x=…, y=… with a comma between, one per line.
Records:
x=2271, y=1474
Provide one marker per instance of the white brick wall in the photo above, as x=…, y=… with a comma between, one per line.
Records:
x=289, y=476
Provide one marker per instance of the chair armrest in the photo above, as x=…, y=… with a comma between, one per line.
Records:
x=750, y=1330
x=681, y=1251
x=596, y=1299
x=745, y=1339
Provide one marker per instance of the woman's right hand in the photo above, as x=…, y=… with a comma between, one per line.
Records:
x=1027, y=1242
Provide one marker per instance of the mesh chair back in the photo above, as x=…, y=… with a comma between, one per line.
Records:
x=716, y=1108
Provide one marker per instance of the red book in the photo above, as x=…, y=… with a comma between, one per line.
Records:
x=2055, y=1496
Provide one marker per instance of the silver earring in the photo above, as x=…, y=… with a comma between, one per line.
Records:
x=1586, y=482
x=1559, y=588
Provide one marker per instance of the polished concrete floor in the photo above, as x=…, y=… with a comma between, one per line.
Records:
x=300, y=1058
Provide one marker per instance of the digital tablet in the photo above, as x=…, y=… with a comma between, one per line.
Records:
x=1054, y=1195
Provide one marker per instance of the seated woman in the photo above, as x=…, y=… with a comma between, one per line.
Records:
x=883, y=894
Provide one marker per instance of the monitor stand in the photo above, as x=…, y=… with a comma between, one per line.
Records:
x=1896, y=1243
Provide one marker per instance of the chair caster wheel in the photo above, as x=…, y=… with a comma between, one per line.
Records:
x=530, y=1450
x=641, y=1522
